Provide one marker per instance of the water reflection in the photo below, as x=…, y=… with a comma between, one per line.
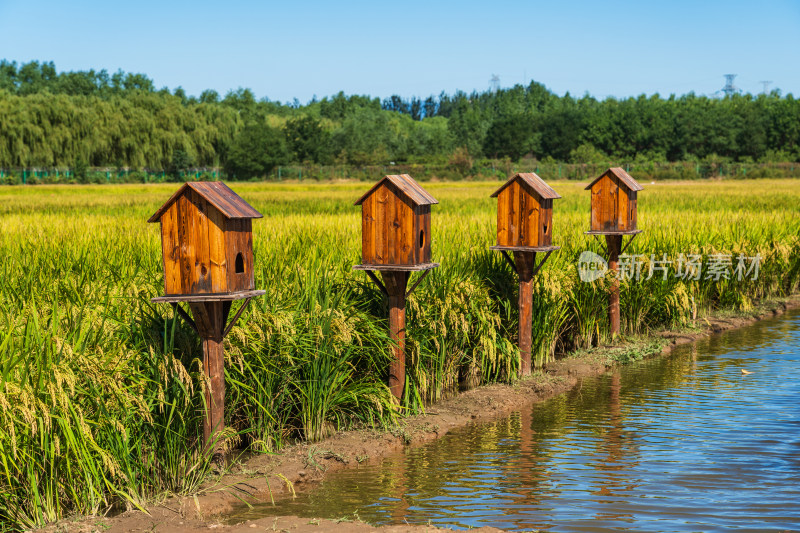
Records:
x=679, y=443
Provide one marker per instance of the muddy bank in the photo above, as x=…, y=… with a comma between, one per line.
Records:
x=301, y=466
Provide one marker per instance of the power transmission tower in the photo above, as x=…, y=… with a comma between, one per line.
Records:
x=730, y=88
x=766, y=86
x=494, y=83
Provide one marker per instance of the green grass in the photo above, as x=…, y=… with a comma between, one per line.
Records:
x=101, y=392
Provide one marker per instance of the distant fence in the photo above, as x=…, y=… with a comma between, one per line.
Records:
x=102, y=175
x=500, y=170
x=481, y=169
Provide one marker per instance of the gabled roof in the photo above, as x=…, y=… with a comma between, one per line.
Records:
x=623, y=176
x=217, y=194
x=534, y=182
x=407, y=186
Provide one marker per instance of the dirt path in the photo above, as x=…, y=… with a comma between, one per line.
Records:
x=304, y=465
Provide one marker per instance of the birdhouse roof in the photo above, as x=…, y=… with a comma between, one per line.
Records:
x=407, y=186
x=623, y=176
x=217, y=194
x=534, y=182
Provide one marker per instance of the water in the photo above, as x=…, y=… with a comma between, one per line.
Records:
x=683, y=443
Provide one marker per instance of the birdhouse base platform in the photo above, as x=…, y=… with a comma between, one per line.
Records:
x=611, y=232
x=217, y=297
x=397, y=268
x=526, y=248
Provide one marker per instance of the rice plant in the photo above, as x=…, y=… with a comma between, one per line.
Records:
x=101, y=392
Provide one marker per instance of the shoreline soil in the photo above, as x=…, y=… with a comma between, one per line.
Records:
x=299, y=467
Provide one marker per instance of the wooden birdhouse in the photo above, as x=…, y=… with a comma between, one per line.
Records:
x=525, y=212
x=206, y=240
x=614, y=201
x=396, y=223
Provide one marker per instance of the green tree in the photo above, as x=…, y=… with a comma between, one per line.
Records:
x=255, y=151
x=561, y=132
x=307, y=140
x=81, y=170
x=468, y=125
x=179, y=164
x=587, y=154
x=512, y=136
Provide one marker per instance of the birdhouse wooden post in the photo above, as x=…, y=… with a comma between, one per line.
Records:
x=207, y=248
x=396, y=241
x=525, y=227
x=613, y=215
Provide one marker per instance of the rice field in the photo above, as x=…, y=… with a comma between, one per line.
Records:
x=101, y=395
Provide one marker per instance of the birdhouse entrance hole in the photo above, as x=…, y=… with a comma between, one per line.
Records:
x=239, y=263
x=421, y=238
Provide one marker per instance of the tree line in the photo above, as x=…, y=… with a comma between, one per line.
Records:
x=83, y=119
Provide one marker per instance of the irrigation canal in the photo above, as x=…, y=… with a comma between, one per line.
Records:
x=680, y=443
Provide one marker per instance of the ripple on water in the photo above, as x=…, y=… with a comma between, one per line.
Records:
x=683, y=443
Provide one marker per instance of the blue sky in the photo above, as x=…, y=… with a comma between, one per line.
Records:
x=283, y=50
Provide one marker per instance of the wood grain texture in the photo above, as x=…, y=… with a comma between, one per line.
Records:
x=226, y=297
x=520, y=212
x=217, y=194
x=531, y=212
x=217, y=258
x=210, y=318
x=533, y=182
x=613, y=202
x=613, y=232
x=232, y=249
x=397, y=268
x=421, y=235
x=368, y=230
x=395, y=283
x=388, y=227
x=623, y=213
x=502, y=218
x=596, y=207
x=197, y=249
x=602, y=215
x=394, y=237
x=525, y=264
x=407, y=185
x=201, y=273
x=513, y=213
x=382, y=225
x=605, y=201
x=239, y=239
x=395, y=223
x=622, y=176
x=525, y=248
x=214, y=394
x=408, y=238
x=249, y=258
x=545, y=223
x=185, y=244
x=613, y=245
x=522, y=208
x=170, y=251
x=605, y=204
x=426, y=223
